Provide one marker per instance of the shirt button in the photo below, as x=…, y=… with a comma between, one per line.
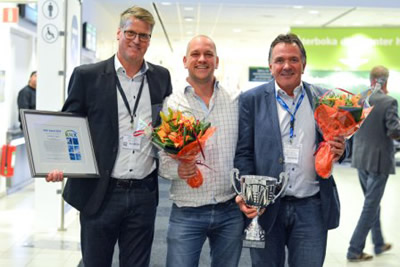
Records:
x=292, y=169
x=280, y=160
x=130, y=170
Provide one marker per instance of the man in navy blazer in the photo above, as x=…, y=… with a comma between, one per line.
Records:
x=117, y=95
x=277, y=133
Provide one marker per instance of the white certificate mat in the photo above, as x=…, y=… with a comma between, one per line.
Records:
x=58, y=140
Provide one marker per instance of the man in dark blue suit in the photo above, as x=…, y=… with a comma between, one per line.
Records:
x=277, y=133
x=119, y=95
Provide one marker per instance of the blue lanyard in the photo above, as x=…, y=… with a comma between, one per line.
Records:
x=292, y=115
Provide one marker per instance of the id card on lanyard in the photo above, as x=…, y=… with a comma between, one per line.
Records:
x=131, y=142
x=291, y=151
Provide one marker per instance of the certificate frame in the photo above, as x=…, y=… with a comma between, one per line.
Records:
x=59, y=140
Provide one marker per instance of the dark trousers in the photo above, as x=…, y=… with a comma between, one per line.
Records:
x=127, y=215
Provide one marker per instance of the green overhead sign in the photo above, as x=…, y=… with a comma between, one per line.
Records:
x=350, y=49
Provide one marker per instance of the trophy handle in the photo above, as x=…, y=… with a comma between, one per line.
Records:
x=234, y=177
x=282, y=179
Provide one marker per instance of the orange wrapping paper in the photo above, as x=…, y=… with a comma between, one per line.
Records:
x=333, y=121
x=189, y=153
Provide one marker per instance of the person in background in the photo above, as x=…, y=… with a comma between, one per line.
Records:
x=117, y=96
x=208, y=211
x=373, y=156
x=27, y=95
x=277, y=133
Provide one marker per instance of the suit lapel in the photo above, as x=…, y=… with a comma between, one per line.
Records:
x=153, y=85
x=272, y=112
x=110, y=91
x=312, y=94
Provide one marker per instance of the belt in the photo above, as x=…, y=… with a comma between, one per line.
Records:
x=296, y=199
x=149, y=181
x=126, y=183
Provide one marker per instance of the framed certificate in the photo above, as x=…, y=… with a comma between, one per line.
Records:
x=58, y=140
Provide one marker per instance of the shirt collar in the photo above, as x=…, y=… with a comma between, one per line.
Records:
x=119, y=68
x=189, y=88
x=281, y=92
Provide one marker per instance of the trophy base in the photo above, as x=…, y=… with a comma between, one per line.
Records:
x=253, y=243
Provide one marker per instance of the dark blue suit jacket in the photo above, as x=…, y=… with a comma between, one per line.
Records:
x=259, y=150
x=93, y=93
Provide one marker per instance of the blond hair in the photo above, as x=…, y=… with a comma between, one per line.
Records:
x=139, y=13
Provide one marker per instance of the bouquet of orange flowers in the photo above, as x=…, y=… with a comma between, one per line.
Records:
x=183, y=137
x=337, y=115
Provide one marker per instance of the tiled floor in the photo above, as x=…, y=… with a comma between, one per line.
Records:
x=21, y=245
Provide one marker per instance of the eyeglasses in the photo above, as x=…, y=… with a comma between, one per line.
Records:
x=143, y=37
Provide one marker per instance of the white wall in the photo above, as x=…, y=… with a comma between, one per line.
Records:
x=17, y=53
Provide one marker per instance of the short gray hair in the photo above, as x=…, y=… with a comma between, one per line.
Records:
x=379, y=73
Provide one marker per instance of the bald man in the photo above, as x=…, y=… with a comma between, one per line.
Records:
x=210, y=210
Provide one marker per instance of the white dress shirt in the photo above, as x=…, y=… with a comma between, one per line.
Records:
x=133, y=163
x=302, y=176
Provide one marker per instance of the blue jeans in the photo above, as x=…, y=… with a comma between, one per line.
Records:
x=299, y=227
x=127, y=215
x=373, y=186
x=189, y=227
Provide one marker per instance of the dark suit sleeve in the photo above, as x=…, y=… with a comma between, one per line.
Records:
x=76, y=94
x=244, y=157
x=23, y=100
x=392, y=122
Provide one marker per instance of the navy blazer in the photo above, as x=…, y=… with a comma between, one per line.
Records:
x=92, y=92
x=259, y=150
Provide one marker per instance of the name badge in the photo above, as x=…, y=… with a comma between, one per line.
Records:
x=291, y=153
x=131, y=142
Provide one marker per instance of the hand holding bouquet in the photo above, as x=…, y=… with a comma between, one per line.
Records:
x=182, y=138
x=337, y=115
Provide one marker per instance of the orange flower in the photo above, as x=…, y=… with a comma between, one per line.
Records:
x=183, y=138
x=162, y=134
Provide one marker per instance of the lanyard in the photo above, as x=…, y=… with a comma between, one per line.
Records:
x=132, y=114
x=292, y=115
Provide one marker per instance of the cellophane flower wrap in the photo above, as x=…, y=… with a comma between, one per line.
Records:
x=183, y=137
x=337, y=113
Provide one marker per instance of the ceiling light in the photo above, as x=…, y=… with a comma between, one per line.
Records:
x=188, y=18
x=237, y=30
x=166, y=3
x=299, y=22
x=189, y=33
x=298, y=7
x=313, y=12
x=188, y=8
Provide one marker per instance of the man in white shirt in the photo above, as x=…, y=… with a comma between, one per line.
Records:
x=116, y=95
x=278, y=134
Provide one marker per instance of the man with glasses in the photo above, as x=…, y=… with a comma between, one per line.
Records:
x=119, y=95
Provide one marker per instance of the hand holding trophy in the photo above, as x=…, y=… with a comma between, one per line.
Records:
x=257, y=191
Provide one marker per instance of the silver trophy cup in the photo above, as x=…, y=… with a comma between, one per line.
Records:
x=257, y=191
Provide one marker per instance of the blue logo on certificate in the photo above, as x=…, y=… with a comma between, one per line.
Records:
x=73, y=145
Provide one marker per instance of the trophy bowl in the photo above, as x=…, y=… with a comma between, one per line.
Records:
x=257, y=191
